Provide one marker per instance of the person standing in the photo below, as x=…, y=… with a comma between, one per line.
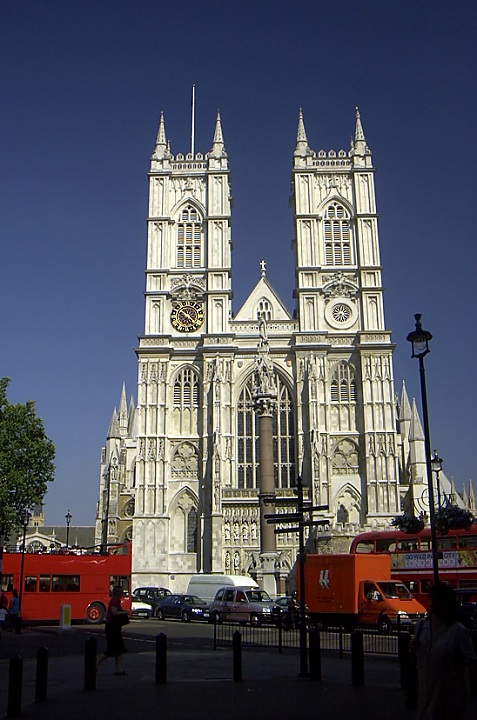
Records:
x=444, y=652
x=14, y=611
x=116, y=617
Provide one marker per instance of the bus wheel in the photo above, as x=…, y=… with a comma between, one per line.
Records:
x=384, y=625
x=95, y=614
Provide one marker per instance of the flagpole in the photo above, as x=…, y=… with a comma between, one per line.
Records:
x=192, y=138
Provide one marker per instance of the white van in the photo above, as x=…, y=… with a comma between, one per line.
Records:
x=205, y=585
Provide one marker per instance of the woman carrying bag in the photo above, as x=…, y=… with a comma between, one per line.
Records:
x=116, y=617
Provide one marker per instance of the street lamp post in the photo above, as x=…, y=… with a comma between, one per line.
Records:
x=420, y=348
x=68, y=517
x=25, y=519
x=436, y=463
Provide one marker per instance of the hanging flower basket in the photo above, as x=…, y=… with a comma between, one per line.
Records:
x=408, y=523
x=452, y=517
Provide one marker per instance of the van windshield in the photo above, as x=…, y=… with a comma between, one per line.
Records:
x=258, y=596
x=395, y=590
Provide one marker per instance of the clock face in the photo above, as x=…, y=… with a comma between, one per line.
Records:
x=187, y=316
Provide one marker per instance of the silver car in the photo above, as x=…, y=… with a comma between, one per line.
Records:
x=242, y=604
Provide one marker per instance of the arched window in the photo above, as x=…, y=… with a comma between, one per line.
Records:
x=185, y=402
x=337, y=234
x=192, y=530
x=264, y=309
x=248, y=439
x=343, y=384
x=189, y=238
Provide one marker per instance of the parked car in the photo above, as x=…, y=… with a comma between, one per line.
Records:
x=242, y=604
x=286, y=612
x=150, y=595
x=183, y=607
x=141, y=609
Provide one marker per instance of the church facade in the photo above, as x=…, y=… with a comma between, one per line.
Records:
x=180, y=471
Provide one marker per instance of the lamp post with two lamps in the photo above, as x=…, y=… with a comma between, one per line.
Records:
x=436, y=463
x=420, y=348
x=68, y=517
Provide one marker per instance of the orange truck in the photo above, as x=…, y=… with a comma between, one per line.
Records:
x=352, y=590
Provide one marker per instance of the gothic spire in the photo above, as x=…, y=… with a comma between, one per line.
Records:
x=218, y=149
x=358, y=143
x=472, y=505
x=113, y=430
x=404, y=407
x=123, y=409
x=415, y=431
x=161, y=142
x=301, y=149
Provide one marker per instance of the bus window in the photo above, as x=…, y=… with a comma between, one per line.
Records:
x=410, y=545
x=413, y=586
x=383, y=545
x=45, y=583
x=121, y=580
x=447, y=543
x=468, y=541
x=30, y=583
x=365, y=546
x=7, y=583
x=65, y=583
x=426, y=585
x=425, y=543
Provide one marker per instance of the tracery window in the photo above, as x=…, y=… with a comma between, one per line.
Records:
x=337, y=234
x=191, y=539
x=248, y=454
x=189, y=238
x=185, y=402
x=343, y=384
x=264, y=309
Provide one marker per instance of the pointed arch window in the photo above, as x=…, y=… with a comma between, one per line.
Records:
x=264, y=309
x=248, y=455
x=186, y=390
x=189, y=238
x=337, y=234
x=192, y=530
x=343, y=384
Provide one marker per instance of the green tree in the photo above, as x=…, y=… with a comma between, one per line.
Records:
x=26, y=460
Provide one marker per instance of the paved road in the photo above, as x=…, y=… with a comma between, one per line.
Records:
x=199, y=680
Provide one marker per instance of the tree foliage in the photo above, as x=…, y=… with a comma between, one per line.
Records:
x=26, y=459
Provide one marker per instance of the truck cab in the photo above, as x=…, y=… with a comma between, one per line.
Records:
x=387, y=604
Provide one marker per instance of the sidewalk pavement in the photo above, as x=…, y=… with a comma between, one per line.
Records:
x=200, y=684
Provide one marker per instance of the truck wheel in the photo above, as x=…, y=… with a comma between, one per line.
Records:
x=216, y=617
x=254, y=620
x=95, y=614
x=385, y=625
x=159, y=614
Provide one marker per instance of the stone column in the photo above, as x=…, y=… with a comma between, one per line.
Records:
x=265, y=397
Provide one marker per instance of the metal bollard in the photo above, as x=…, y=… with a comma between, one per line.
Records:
x=314, y=652
x=357, y=658
x=237, y=655
x=90, y=664
x=41, y=686
x=161, y=659
x=14, y=706
x=404, y=656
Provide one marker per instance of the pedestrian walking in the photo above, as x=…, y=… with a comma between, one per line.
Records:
x=14, y=611
x=116, y=618
x=444, y=654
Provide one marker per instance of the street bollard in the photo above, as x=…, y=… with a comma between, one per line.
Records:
x=357, y=658
x=161, y=659
x=237, y=655
x=14, y=706
x=90, y=664
x=314, y=652
x=405, y=660
x=41, y=685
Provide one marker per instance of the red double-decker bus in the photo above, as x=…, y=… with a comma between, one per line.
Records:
x=47, y=581
x=411, y=557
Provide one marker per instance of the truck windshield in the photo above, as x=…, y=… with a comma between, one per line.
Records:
x=395, y=590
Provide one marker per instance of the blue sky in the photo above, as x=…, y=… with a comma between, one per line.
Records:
x=82, y=86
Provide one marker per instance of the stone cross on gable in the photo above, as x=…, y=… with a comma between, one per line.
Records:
x=263, y=267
